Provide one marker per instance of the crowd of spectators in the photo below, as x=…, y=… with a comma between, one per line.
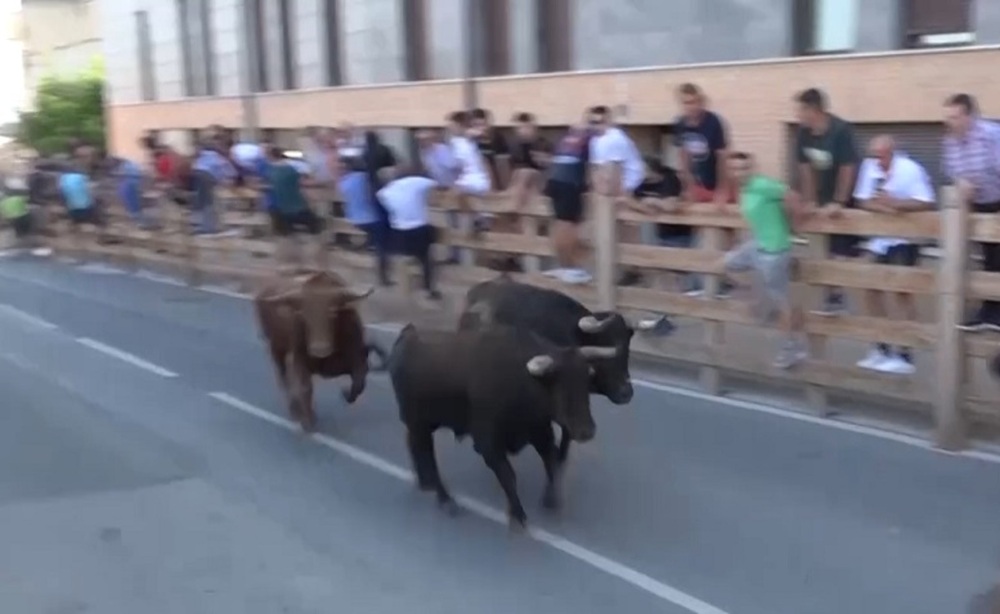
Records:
x=470, y=156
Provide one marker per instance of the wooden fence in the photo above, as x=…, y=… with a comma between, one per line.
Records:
x=951, y=388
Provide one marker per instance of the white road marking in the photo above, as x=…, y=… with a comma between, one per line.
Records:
x=122, y=355
x=602, y=563
x=27, y=318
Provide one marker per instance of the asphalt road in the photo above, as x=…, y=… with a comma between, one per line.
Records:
x=146, y=466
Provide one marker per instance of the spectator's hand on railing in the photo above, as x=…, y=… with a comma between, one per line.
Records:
x=832, y=210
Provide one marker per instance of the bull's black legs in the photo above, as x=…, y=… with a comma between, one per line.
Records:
x=420, y=441
x=358, y=378
x=500, y=464
x=563, y=446
x=545, y=444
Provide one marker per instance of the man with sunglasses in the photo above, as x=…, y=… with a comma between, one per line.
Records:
x=890, y=183
x=622, y=168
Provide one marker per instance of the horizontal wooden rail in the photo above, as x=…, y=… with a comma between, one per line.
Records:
x=717, y=336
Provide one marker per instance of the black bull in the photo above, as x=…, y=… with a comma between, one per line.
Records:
x=564, y=322
x=501, y=385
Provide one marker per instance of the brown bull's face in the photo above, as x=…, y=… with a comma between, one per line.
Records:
x=318, y=300
x=319, y=313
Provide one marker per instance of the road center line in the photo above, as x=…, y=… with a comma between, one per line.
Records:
x=27, y=318
x=602, y=563
x=122, y=355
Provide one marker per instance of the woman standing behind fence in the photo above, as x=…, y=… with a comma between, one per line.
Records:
x=406, y=199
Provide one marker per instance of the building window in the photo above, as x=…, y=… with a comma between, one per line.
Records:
x=253, y=12
x=146, y=75
x=331, y=21
x=286, y=17
x=937, y=23
x=553, y=21
x=826, y=26
x=415, y=34
x=494, y=31
x=196, y=47
x=208, y=47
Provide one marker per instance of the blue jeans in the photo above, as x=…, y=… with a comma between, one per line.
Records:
x=130, y=193
x=379, y=236
x=650, y=236
x=203, y=213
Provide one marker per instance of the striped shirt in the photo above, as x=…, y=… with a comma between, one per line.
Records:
x=976, y=158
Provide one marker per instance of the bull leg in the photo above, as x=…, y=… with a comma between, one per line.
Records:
x=563, y=446
x=420, y=442
x=283, y=365
x=500, y=464
x=309, y=419
x=358, y=378
x=300, y=393
x=545, y=444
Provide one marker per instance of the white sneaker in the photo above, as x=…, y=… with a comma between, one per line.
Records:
x=873, y=360
x=556, y=273
x=576, y=276
x=694, y=293
x=897, y=365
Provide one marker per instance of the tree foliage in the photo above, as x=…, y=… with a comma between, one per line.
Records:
x=66, y=107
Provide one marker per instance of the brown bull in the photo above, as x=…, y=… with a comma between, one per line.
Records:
x=312, y=327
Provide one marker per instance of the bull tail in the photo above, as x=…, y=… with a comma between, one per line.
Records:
x=383, y=356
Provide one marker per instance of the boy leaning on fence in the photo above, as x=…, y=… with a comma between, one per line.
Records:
x=771, y=211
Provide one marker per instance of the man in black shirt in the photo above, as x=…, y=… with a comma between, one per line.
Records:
x=828, y=161
x=529, y=156
x=493, y=147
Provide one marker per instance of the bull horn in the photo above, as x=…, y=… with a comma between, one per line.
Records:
x=593, y=352
x=352, y=294
x=590, y=324
x=645, y=325
x=541, y=365
x=283, y=296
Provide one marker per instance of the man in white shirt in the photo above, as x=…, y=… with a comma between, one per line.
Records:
x=611, y=146
x=890, y=183
x=406, y=200
x=613, y=157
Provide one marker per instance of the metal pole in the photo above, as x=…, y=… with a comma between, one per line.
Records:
x=470, y=45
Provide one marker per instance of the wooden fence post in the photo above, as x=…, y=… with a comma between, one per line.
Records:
x=949, y=421
x=605, y=216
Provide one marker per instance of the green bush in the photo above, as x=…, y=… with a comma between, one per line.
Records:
x=66, y=107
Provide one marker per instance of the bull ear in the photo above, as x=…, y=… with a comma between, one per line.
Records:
x=591, y=325
x=541, y=365
x=595, y=352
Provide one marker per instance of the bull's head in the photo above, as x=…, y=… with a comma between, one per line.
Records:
x=566, y=373
x=317, y=299
x=611, y=377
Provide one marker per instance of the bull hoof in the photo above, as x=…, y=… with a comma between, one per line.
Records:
x=551, y=500
x=425, y=486
x=308, y=426
x=450, y=507
x=518, y=524
x=348, y=397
